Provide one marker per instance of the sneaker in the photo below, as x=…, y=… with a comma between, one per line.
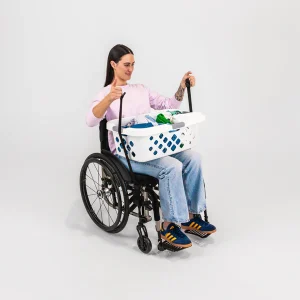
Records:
x=199, y=225
x=175, y=236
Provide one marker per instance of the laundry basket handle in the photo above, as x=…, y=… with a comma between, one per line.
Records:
x=188, y=85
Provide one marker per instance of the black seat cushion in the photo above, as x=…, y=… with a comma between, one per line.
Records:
x=146, y=179
x=142, y=178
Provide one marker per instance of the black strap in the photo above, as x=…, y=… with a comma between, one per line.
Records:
x=121, y=139
x=188, y=85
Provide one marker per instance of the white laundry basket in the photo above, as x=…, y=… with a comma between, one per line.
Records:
x=145, y=144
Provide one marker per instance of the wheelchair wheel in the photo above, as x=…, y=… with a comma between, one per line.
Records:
x=104, y=194
x=144, y=244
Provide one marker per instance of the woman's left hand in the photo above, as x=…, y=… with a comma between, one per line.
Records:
x=190, y=77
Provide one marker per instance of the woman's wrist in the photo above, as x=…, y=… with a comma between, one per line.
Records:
x=180, y=93
x=108, y=99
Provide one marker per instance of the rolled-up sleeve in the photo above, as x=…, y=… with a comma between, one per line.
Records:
x=158, y=101
x=91, y=119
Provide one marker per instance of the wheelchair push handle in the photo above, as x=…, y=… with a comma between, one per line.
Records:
x=188, y=86
x=187, y=83
x=121, y=139
x=120, y=111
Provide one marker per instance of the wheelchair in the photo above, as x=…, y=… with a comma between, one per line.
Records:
x=111, y=193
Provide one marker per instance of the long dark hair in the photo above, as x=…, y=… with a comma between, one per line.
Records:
x=115, y=54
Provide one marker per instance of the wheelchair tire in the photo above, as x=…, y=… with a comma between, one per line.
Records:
x=147, y=245
x=108, y=193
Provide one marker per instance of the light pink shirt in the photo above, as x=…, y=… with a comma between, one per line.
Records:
x=138, y=100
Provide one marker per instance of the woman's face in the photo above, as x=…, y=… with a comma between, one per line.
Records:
x=124, y=68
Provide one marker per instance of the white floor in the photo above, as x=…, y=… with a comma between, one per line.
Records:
x=50, y=249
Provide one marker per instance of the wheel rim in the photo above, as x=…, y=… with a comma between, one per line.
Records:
x=101, y=195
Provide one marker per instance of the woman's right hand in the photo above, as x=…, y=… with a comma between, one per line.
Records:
x=115, y=91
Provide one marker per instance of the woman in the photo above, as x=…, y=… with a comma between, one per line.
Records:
x=181, y=186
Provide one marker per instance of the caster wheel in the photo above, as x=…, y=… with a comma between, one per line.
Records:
x=147, y=246
x=160, y=247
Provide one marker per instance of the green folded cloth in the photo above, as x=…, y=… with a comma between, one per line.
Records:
x=160, y=118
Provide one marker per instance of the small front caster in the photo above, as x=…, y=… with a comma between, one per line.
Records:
x=161, y=247
x=144, y=244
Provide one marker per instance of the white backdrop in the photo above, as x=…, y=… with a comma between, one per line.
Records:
x=245, y=56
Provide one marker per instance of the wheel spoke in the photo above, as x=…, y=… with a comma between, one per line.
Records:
x=107, y=212
x=100, y=211
x=93, y=180
x=97, y=171
x=94, y=201
x=91, y=189
x=92, y=177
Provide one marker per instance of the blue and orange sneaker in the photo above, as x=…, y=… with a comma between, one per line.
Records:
x=174, y=236
x=199, y=225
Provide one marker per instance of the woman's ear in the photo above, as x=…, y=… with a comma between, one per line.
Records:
x=113, y=64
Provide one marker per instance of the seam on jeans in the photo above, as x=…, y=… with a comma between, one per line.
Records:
x=170, y=198
x=189, y=202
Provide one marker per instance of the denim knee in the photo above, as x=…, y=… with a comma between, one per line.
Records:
x=195, y=162
x=175, y=168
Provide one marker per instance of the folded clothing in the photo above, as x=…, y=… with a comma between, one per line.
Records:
x=160, y=118
x=142, y=125
x=141, y=122
x=130, y=123
x=168, y=117
x=153, y=119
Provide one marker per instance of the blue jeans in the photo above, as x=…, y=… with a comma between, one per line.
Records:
x=181, y=185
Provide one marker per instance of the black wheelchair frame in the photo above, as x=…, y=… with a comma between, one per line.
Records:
x=129, y=190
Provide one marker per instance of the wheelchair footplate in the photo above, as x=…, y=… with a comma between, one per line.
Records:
x=197, y=233
x=164, y=245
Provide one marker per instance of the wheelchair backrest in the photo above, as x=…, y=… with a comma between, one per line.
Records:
x=103, y=135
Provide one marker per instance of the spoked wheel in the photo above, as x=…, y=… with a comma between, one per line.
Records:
x=103, y=193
